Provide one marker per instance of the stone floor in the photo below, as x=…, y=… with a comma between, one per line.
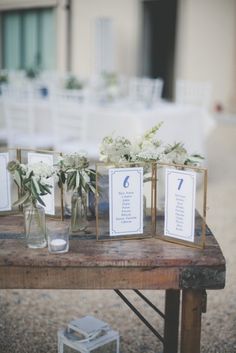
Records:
x=29, y=320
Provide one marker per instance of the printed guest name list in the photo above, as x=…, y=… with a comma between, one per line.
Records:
x=180, y=193
x=125, y=201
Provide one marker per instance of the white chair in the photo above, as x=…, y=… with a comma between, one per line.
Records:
x=3, y=125
x=87, y=334
x=194, y=93
x=145, y=90
x=70, y=125
x=158, y=85
x=20, y=116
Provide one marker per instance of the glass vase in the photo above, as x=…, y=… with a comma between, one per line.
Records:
x=35, y=226
x=79, y=220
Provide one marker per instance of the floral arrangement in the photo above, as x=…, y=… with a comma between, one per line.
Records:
x=111, y=85
x=73, y=82
x=74, y=171
x=145, y=149
x=32, y=72
x=32, y=180
x=3, y=78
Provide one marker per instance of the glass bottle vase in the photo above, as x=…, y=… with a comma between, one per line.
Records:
x=35, y=226
x=79, y=220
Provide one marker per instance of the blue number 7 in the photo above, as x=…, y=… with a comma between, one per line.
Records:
x=180, y=183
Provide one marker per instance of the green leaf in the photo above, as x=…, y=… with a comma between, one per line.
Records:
x=40, y=200
x=69, y=177
x=17, y=178
x=72, y=182
x=22, y=199
x=63, y=177
x=35, y=182
x=46, y=188
x=92, y=188
x=33, y=190
x=77, y=184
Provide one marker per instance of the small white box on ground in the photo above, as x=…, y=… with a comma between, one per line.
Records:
x=87, y=334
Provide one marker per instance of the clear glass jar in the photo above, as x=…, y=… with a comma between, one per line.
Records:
x=35, y=226
x=79, y=220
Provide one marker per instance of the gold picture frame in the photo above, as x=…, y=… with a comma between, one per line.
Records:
x=12, y=191
x=103, y=206
x=159, y=212
x=21, y=154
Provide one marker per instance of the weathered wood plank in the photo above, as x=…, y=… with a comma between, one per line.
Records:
x=171, y=328
x=87, y=278
x=203, y=277
x=133, y=253
x=191, y=321
x=194, y=268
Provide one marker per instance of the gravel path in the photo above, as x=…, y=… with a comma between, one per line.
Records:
x=29, y=319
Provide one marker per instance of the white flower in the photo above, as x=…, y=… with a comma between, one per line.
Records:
x=76, y=160
x=40, y=170
x=146, y=148
x=23, y=167
x=115, y=150
x=176, y=154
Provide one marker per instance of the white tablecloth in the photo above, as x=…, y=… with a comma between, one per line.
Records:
x=181, y=123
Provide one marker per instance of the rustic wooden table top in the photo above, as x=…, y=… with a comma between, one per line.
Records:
x=125, y=264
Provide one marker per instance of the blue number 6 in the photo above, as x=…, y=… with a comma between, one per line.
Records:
x=126, y=182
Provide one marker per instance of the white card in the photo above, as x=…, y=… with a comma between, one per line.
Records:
x=125, y=201
x=180, y=193
x=48, y=199
x=5, y=189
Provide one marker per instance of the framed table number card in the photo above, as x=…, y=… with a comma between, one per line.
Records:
x=5, y=188
x=180, y=191
x=123, y=201
x=179, y=221
x=8, y=189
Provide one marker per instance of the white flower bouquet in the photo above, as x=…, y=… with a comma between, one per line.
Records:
x=148, y=148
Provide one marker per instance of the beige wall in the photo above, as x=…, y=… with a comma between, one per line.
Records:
x=206, y=45
x=61, y=37
x=205, y=49
x=21, y=4
x=125, y=15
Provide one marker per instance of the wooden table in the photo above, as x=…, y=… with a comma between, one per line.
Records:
x=128, y=264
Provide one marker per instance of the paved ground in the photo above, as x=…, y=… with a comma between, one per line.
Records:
x=29, y=320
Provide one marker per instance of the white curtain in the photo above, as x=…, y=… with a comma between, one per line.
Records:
x=104, y=45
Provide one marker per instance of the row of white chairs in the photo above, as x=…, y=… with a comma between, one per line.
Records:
x=53, y=123
x=98, y=88
x=59, y=121
x=104, y=88
x=194, y=93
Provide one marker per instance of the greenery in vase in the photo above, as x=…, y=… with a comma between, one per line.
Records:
x=32, y=181
x=3, y=78
x=74, y=171
x=32, y=73
x=74, y=83
x=147, y=148
x=111, y=84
